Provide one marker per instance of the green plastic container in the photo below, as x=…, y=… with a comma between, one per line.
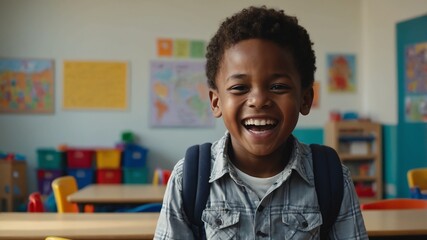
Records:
x=49, y=158
x=135, y=175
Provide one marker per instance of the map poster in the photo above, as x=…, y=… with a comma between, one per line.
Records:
x=179, y=95
x=26, y=85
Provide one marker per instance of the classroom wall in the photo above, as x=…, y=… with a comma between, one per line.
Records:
x=379, y=19
x=381, y=90
x=127, y=30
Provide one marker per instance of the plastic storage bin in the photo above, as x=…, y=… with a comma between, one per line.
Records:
x=135, y=175
x=45, y=178
x=108, y=158
x=109, y=176
x=84, y=176
x=80, y=158
x=48, y=158
x=134, y=156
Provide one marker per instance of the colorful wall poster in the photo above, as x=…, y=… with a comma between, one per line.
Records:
x=95, y=85
x=179, y=94
x=416, y=108
x=341, y=72
x=416, y=68
x=26, y=85
x=164, y=47
x=197, y=49
x=180, y=48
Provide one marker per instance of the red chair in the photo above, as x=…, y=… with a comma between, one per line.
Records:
x=398, y=203
x=35, y=203
x=166, y=176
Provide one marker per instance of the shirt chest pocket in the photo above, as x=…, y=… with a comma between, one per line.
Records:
x=220, y=223
x=301, y=225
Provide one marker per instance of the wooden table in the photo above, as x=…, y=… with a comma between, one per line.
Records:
x=78, y=226
x=30, y=226
x=395, y=222
x=125, y=194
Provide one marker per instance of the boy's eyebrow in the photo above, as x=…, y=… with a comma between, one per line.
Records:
x=236, y=76
x=276, y=75
x=273, y=76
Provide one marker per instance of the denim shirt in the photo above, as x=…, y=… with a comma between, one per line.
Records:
x=289, y=209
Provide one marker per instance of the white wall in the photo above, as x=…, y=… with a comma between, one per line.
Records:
x=127, y=30
x=379, y=54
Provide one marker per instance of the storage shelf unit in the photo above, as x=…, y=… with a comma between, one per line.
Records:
x=359, y=145
x=13, y=184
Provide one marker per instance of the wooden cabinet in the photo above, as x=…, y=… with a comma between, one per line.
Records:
x=359, y=145
x=13, y=183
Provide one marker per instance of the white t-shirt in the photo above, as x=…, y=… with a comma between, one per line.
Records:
x=259, y=185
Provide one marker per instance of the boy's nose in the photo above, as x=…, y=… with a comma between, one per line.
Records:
x=259, y=99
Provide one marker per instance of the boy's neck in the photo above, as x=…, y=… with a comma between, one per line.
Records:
x=265, y=166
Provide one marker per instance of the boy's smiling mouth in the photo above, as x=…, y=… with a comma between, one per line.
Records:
x=259, y=124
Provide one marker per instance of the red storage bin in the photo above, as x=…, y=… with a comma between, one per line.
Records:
x=80, y=158
x=109, y=176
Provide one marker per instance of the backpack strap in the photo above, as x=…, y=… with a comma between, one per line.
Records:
x=328, y=178
x=329, y=181
x=196, y=186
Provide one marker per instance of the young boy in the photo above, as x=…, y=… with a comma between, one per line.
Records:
x=260, y=68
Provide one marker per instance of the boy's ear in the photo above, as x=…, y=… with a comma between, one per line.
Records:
x=215, y=103
x=307, y=100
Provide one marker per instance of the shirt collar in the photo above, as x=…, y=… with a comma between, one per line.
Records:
x=299, y=162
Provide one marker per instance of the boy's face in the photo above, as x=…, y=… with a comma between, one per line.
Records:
x=259, y=96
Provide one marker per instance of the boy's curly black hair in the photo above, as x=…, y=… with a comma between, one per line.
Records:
x=263, y=23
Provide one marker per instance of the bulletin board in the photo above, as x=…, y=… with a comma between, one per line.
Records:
x=411, y=40
x=95, y=85
x=26, y=86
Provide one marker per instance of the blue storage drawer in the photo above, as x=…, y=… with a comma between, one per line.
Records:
x=134, y=156
x=84, y=176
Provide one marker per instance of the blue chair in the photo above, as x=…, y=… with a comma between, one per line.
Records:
x=416, y=193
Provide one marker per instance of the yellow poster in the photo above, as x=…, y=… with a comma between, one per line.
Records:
x=95, y=85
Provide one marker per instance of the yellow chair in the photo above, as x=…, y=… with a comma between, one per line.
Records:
x=417, y=178
x=62, y=187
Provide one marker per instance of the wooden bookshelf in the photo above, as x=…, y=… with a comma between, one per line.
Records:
x=359, y=145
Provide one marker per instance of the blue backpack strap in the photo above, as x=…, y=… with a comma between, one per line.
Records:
x=196, y=187
x=329, y=183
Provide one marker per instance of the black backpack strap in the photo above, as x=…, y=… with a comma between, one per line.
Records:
x=196, y=187
x=329, y=183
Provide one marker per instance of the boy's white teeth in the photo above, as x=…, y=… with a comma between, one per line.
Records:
x=259, y=122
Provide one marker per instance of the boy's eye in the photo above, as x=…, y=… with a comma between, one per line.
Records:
x=279, y=88
x=238, y=89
